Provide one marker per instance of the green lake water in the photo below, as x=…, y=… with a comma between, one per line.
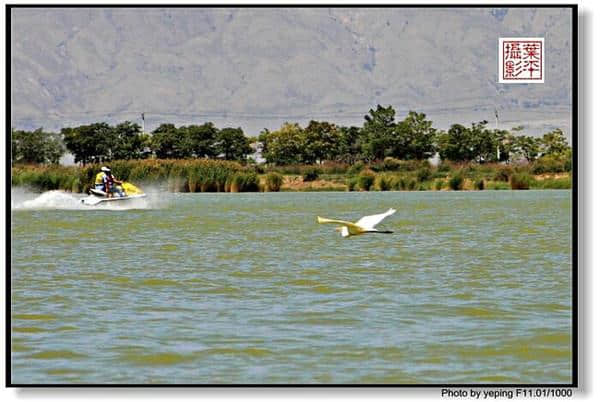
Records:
x=472, y=287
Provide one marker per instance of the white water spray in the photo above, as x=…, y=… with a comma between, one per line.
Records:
x=23, y=199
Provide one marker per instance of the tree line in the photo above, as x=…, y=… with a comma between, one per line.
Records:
x=380, y=136
x=412, y=138
x=101, y=142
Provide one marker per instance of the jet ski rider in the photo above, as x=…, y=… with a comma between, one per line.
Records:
x=106, y=182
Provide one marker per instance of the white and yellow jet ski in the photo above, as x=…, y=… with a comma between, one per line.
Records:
x=129, y=192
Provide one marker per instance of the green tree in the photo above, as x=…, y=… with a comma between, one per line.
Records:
x=54, y=148
x=414, y=138
x=90, y=143
x=483, y=142
x=200, y=141
x=167, y=142
x=36, y=146
x=554, y=143
x=378, y=132
x=455, y=144
x=320, y=142
x=283, y=146
x=130, y=143
x=528, y=147
x=233, y=144
x=349, y=145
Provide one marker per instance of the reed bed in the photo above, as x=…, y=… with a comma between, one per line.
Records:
x=273, y=181
x=197, y=175
x=209, y=175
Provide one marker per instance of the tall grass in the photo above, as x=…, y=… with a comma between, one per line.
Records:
x=207, y=175
x=423, y=174
x=365, y=180
x=352, y=183
x=195, y=175
x=561, y=183
x=49, y=177
x=299, y=169
x=244, y=182
x=548, y=164
x=383, y=183
x=456, y=182
x=520, y=181
x=273, y=181
x=497, y=185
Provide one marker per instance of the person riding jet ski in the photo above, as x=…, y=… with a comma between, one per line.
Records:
x=107, y=183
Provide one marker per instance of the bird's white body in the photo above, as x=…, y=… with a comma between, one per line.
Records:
x=364, y=225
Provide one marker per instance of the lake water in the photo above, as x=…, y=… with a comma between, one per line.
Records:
x=472, y=287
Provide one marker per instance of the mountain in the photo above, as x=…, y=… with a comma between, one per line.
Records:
x=259, y=67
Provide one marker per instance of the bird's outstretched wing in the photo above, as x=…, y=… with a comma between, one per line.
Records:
x=344, y=223
x=369, y=222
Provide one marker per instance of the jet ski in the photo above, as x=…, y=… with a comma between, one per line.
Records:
x=127, y=192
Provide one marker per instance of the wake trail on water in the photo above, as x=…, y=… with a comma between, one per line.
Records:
x=24, y=199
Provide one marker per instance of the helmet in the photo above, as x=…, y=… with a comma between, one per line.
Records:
x=105, y=169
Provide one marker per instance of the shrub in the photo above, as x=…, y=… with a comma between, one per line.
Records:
x=497, y=185
x=411, y=185
x=456, y=182
x=251, y=182
x=412, y=165
x=310, y=173
x=444, y=167
x=291, y=169
x=382, y=183
x=391, y=164
x=365, y=180
x=273, y=181
x=377, y=166
x=244, y=181
x=423, y=174
x=471, y=167
x=520, y=181
x=398, y=183
x=352, y=183
x=436, y=174
x=551, y=164
x=479, y=184
x=561, y=183
x=439, y=184
x=355, y=169
x=425, y=186
x=503, y=173
x=330, y=167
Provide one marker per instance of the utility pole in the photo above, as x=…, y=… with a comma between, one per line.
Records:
x=143, y=123
x=498, y=145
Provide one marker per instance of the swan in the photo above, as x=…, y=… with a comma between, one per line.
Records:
x=366, y=224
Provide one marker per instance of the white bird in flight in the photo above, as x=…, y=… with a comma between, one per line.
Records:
x=366, y=224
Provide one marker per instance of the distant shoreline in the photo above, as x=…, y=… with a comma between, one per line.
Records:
x=209, y=175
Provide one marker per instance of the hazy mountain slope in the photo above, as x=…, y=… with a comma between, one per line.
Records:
x=259, y=67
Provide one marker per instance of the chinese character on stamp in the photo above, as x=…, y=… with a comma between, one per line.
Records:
x=521, y=60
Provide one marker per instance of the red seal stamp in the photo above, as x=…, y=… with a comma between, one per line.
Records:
x=521, y=60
